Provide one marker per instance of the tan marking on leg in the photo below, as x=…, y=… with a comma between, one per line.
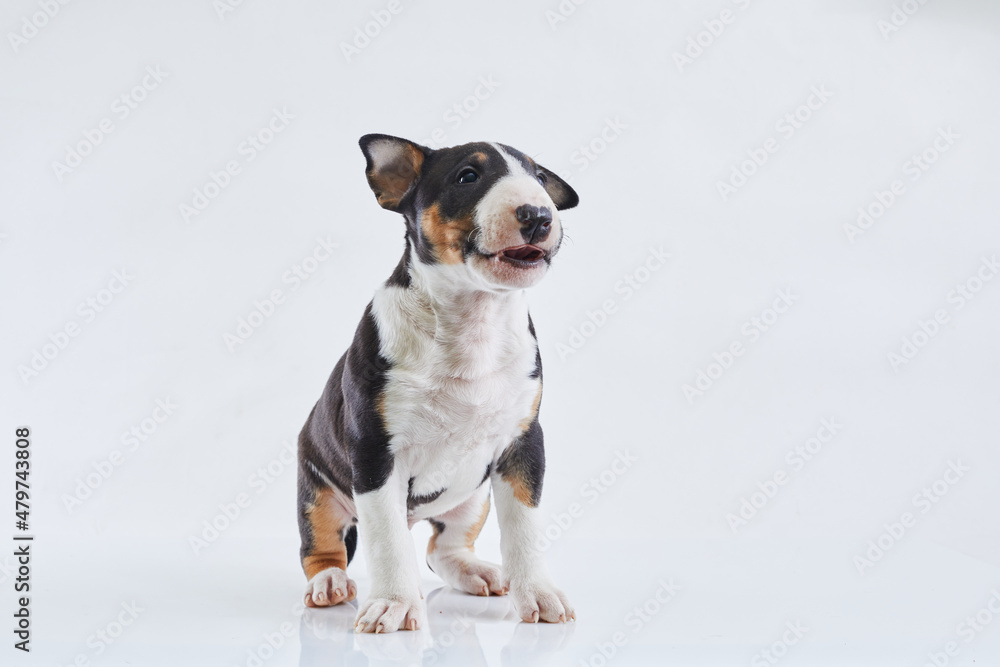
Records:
x=448, y=236
x=526, y=422
x=521, y=490
x=517, y=471
x=432, y=543
x=476, y=528
x=326, y=521
x=452, y=553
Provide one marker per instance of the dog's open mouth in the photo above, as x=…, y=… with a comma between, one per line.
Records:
x=522, y=255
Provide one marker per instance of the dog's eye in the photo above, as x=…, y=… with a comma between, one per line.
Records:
x=542, y=178
x=468, y=175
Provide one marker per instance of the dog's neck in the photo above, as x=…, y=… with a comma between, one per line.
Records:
x=478, y=331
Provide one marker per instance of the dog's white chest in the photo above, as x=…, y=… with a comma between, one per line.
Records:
x=455, y=416
x=459, y=390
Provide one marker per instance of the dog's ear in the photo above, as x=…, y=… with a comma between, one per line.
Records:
x=563, y=196
x=393, y=167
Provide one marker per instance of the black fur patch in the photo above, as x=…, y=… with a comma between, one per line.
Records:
x=365, y=435
x=312, y=456
x=401, y=275
x=415, y=500
x=438, y=529
x=563, y=196
x=522, y=464
x=345, y=437
x=438, y=185
x=351, y=542
x=537, y=370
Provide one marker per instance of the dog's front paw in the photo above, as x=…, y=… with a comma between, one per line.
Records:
x=329, y=587
x=540, y=601
x=388, y=614
x=469, y=574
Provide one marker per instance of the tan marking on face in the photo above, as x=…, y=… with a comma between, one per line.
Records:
x=526, y=422
x=326, y=521
x=474, y=530
x=446, y=235
x=480, y=156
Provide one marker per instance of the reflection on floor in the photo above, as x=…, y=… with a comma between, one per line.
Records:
x=328, y=636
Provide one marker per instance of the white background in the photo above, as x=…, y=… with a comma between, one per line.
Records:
x=654, y=186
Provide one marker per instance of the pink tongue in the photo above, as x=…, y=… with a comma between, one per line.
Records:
x=527, y=253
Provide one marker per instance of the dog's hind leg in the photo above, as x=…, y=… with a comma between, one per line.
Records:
x=451, y=553
x=329, y=536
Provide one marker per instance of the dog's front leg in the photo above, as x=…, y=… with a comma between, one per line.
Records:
x=395, y=602
x=517, y=488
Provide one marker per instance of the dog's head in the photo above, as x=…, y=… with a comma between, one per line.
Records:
x=481, y=214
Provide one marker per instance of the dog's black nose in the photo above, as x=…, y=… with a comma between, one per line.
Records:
x=536, y=222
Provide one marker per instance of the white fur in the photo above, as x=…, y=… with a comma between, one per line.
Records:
x=458, y=388
x=383, y=152
x=453, y=560
x=513, y=164
x=330, y=587
x=535, y=596
x=395, y=600
x=497, y=226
